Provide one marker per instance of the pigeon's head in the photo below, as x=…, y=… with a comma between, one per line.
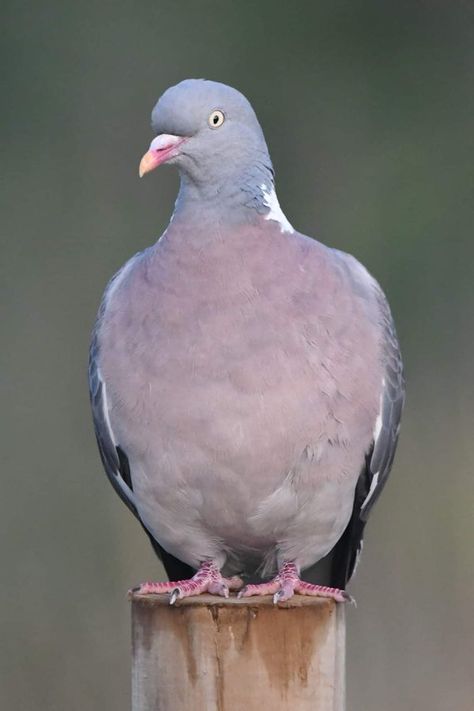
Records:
x=208, y=130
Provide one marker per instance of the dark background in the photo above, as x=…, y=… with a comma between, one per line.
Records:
x=368, y=112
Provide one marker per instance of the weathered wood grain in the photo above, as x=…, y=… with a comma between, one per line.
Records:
x=210, y=654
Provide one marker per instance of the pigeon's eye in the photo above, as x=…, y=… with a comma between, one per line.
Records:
x=216, y=119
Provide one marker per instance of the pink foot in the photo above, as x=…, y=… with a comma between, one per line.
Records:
x=288, y=582
x=207, y=579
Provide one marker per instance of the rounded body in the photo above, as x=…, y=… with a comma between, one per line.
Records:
x=243, y=382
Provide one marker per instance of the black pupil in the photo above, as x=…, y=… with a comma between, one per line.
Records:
x=215, y=119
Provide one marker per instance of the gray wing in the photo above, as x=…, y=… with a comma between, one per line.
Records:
x=374, y=475
x=113, y=458
x=393, y=396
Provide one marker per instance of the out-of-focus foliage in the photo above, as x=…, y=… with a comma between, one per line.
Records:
x=368, y=111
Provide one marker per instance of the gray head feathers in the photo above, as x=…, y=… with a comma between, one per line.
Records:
x=225, y=155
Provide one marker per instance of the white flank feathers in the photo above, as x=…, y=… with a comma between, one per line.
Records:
x=106, y=410
x=377, y=429
x=118, y=478
x=378, y=421
x=378, y=426
x=373, y=486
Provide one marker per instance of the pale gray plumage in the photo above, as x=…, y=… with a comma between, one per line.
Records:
x=246, y=380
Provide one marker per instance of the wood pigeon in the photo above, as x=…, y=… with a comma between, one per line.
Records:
x=246, y=380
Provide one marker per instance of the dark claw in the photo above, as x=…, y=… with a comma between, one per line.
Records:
x=174, y=596
x=348, y=598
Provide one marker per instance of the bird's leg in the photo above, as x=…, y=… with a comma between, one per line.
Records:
x=207, y=579
x=288, y=582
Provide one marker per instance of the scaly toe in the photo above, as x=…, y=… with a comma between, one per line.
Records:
x=218, y=588
x=234, y=583
x=207, y=579
x=285, y=592
x=269, y=588
x=150, y=588
x=304, y=588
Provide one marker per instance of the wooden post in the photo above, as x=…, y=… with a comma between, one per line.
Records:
x=211, y=654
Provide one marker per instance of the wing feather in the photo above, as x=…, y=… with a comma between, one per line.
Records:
x=114, y=458
x=376, y=470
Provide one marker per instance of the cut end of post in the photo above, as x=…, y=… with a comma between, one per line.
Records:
x=206, y=600
x=224, y=654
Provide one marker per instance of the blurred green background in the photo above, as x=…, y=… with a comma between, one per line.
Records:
x=368, y=112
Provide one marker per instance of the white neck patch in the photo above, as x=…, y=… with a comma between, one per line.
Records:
x=275, y=213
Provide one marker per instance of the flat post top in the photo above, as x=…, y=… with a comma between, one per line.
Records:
x=217, y=654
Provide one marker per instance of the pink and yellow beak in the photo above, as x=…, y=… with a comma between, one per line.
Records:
x=162, y=148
